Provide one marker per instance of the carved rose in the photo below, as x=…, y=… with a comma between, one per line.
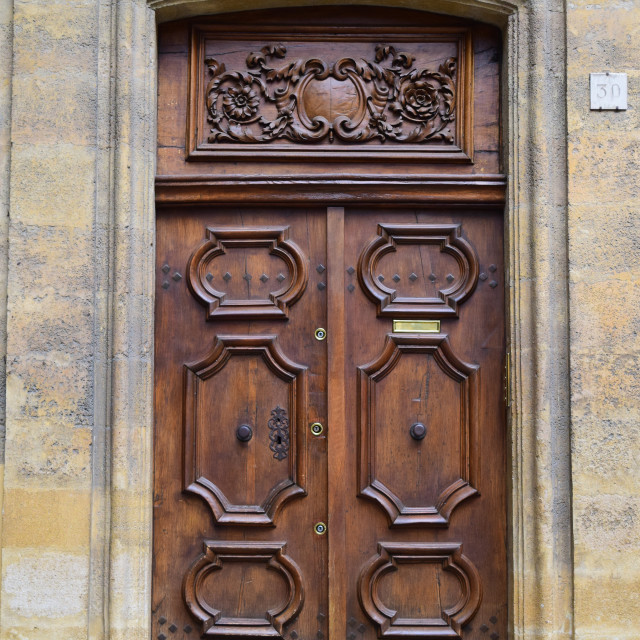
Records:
x=240, y=103
x=420, y=100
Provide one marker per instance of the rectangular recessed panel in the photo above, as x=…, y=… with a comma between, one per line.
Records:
x=346, y=92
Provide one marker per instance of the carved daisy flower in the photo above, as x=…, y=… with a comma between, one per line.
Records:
x=420, y=100
x=240, y=103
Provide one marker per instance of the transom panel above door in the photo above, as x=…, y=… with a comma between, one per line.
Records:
x=330, y=442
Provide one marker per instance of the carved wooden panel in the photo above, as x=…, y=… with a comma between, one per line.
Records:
x=417, y=384
x=418, y=270
x=244, y=440
x=247, y=272
x=320, y=123
x=338, y=93
x=212, y=597
x=452, y=591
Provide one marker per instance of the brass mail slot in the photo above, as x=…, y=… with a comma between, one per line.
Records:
x=416, y=326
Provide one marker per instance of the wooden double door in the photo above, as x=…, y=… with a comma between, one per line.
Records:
x=330, y=442
x=329, y=463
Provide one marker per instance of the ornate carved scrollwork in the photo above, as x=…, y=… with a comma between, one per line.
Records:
x=279, y=433
x=219, y=303
x=393, y=100
x=390, y=557
x=450, y=294
x=215, y=555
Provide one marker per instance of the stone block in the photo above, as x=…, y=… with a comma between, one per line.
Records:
x=56, y=519
x=55, y=36
x=46, y=589
x=50, y=108
x=48, y=456
x=604, y=321
x=53, y=185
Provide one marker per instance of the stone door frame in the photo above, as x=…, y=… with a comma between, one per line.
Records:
x=534, y=135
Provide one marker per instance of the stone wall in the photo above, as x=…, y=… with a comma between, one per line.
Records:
x=76, y=168
x=604, y=277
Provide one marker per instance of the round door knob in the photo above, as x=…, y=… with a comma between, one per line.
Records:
x=418, y=431
x=244, y=433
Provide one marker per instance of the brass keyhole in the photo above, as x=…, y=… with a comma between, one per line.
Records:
x=316, y=428
x=320, y=528
x=320, y=333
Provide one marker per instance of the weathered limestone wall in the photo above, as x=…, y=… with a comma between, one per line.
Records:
x=6, y=59
x=50, y=317
x=604, y=252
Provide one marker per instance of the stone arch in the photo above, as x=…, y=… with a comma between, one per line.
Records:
x=534, y=151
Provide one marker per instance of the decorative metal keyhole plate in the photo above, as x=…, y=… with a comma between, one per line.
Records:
x=279, y=433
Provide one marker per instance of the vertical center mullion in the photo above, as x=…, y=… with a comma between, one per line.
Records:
x=336, y=417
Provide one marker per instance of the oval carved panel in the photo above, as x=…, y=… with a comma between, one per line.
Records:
x=414, y=286
x=245, y=384
x=247, y=273
x=417, y=379
x=227, y=609
x=330, y=99
x=451, y=604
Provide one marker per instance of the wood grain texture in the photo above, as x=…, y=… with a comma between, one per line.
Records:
x=213, y=559
x=454, y=607
x=341, y=45
x=439, y=468
x=350, y=96
x=339, y=465
x=237, y=372
x=355, y=233
x=443, y=295
x=262, y=288
x=462, y=457
x=212, y=451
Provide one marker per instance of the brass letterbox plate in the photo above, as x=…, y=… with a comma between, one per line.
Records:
x=416, y=326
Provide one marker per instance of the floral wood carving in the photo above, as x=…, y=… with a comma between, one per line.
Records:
x=396, y=101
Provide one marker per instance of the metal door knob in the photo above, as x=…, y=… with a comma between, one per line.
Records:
x=418, y=431
x=244, y=433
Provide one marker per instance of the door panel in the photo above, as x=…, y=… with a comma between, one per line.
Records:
x=240, y=481
x=435, y=505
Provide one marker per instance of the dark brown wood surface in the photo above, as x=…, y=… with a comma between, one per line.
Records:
x=259, y=249
x=477, y=107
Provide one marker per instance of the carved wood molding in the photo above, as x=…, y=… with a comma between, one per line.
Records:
x=470, y=190
x=215, y=555
x=450, y=241
x=292, y=481
x=391, y=97
x=390, y=557
x=219, y=304
x=438, y=347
